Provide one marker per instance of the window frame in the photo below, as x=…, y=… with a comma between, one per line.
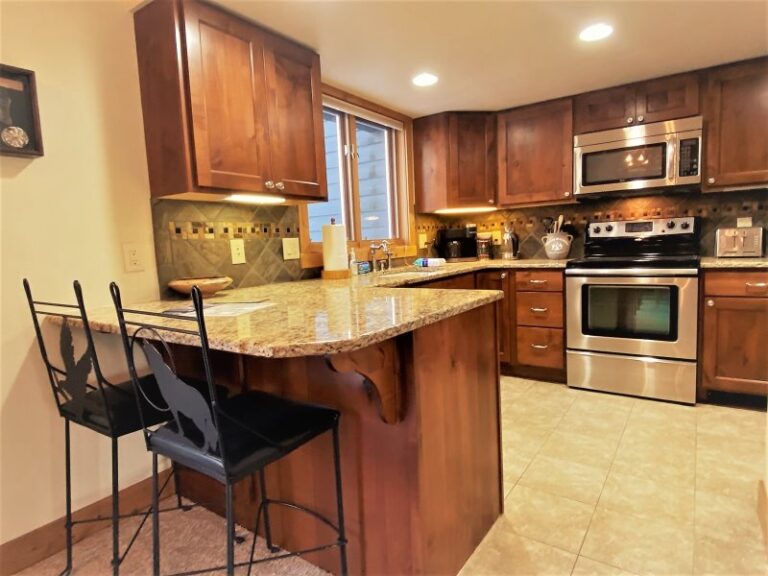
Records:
x=400, y=149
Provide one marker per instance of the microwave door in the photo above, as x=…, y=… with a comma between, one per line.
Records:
x=634, y=164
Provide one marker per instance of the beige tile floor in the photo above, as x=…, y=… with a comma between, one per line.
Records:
x=597, y=484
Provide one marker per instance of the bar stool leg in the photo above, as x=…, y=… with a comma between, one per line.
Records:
x=68, y=488
x=267, y=528
x=155, y=519
x=339, y=501
x=177, y=481
x=230, y=532
x=115, y=511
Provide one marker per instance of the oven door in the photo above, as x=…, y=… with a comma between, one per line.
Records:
x=633, y=164
x=636, y=315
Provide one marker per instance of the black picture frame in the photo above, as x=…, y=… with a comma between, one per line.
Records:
x=19, y=115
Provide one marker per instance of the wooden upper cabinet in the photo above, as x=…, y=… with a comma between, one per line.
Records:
x=656, y=100
x=227, y=94
x=735, y=120
x=455, y=160
x=604, y=109
x=295, y=111
x=228, y=106
x=535, y=154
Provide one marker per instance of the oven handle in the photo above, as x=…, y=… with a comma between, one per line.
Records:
x=632, y=272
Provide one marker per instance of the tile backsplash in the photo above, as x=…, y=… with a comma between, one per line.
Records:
x=530, y=224
x=192, y=239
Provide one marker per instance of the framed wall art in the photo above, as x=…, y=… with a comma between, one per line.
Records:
x=19, y=118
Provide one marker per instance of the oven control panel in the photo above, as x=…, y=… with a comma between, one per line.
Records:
x=642, y=228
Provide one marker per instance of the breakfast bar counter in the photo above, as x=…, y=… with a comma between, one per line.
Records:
x=413, y=372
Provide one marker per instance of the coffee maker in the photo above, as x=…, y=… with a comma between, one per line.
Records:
x=457, y=244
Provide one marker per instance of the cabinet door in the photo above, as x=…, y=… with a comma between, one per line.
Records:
x=604, y=109
x=535, y=152
x=499, y=280
x=471, y=160
x=225, y=59
x=461, y=282
x=667, y=98
x=295, y=111
x=735, y=331
x=430, y=153
x=735, y=119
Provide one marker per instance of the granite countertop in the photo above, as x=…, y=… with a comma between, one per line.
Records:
x=312, y=317
x=730, y=263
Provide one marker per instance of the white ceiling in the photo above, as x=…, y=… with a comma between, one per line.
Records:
x=495, y=55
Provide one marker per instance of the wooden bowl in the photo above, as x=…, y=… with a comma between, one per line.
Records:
x=208, y=286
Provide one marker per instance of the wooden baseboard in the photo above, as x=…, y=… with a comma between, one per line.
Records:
x=34, y=546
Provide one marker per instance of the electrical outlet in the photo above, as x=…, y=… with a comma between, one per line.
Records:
x=744, y=222
x=291, y=249
x=237, y=247
x=132, y=257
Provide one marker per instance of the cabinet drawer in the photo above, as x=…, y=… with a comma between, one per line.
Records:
x=539, y=281
x=540, y=309
x=540, y=347
x=736, y=284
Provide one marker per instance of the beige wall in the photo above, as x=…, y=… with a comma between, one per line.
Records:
x=65, y=216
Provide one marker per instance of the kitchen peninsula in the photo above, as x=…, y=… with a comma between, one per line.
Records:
x=420, y=434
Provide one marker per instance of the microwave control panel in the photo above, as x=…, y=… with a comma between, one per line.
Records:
x=689, y=157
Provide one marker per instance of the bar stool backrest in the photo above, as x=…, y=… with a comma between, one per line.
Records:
x=70, y=383
x=195, y=415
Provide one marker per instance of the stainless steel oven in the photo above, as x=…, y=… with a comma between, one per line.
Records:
x=632, y=319
x=662, y=155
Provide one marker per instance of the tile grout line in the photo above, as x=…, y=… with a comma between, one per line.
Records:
x=605, y=480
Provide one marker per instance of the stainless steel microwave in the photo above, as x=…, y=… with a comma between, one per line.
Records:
x=661, y=155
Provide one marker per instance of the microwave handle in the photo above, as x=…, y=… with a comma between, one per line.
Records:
x=673, y=162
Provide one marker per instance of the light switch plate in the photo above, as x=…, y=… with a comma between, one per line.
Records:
x=133, y=260
x=496, y=235
x=237, y=247
x=745, y=222
x=422, y=240
x=291, y=249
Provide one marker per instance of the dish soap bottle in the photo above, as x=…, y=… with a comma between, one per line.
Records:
x=352, y=262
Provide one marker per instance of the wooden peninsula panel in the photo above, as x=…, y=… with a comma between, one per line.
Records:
x=420, y=442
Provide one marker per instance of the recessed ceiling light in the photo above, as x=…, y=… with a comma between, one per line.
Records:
x=255, y=199
x=596, y=32
x=424, y=79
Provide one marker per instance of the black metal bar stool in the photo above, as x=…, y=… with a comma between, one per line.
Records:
x=225, y=439
x=106, y=408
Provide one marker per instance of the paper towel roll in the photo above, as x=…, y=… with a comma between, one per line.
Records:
x=334, y=247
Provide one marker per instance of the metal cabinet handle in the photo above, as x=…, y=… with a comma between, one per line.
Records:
x=490, y=201
x=710, y=303
x=566, y=194
x=630, y=120
x=503, y=275
x=538, y=310
x=540, y=346
x=280, y=186
x=537, y=281
x=640, y=118
x=760, y=285
x=710, y=180
x=269, y=185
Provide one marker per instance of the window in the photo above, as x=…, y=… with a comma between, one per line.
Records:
x=367, y=181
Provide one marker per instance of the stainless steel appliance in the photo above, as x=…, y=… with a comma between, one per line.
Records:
x=457, y=244
x=739, y=242
x=662, y=155
x=631, y=306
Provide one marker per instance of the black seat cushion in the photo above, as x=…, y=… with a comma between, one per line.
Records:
x=122, y=406
x=256, y=428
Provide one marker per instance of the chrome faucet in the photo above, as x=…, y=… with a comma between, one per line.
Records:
x=384, y=247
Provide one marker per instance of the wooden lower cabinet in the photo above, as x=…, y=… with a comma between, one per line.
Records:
x=499, y=280
x=461, y=282
x=733, y=351
x=542, y=347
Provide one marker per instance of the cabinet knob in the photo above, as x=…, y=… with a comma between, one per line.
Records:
x=566, y=194
x=630, y=120
x=640, y=118
x=503, y=275
x=269, y=185
x=710, y=180
x=710, y=303
x=490, y=201
x=280, y=186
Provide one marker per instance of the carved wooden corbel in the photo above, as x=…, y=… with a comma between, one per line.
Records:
x=379, y=368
